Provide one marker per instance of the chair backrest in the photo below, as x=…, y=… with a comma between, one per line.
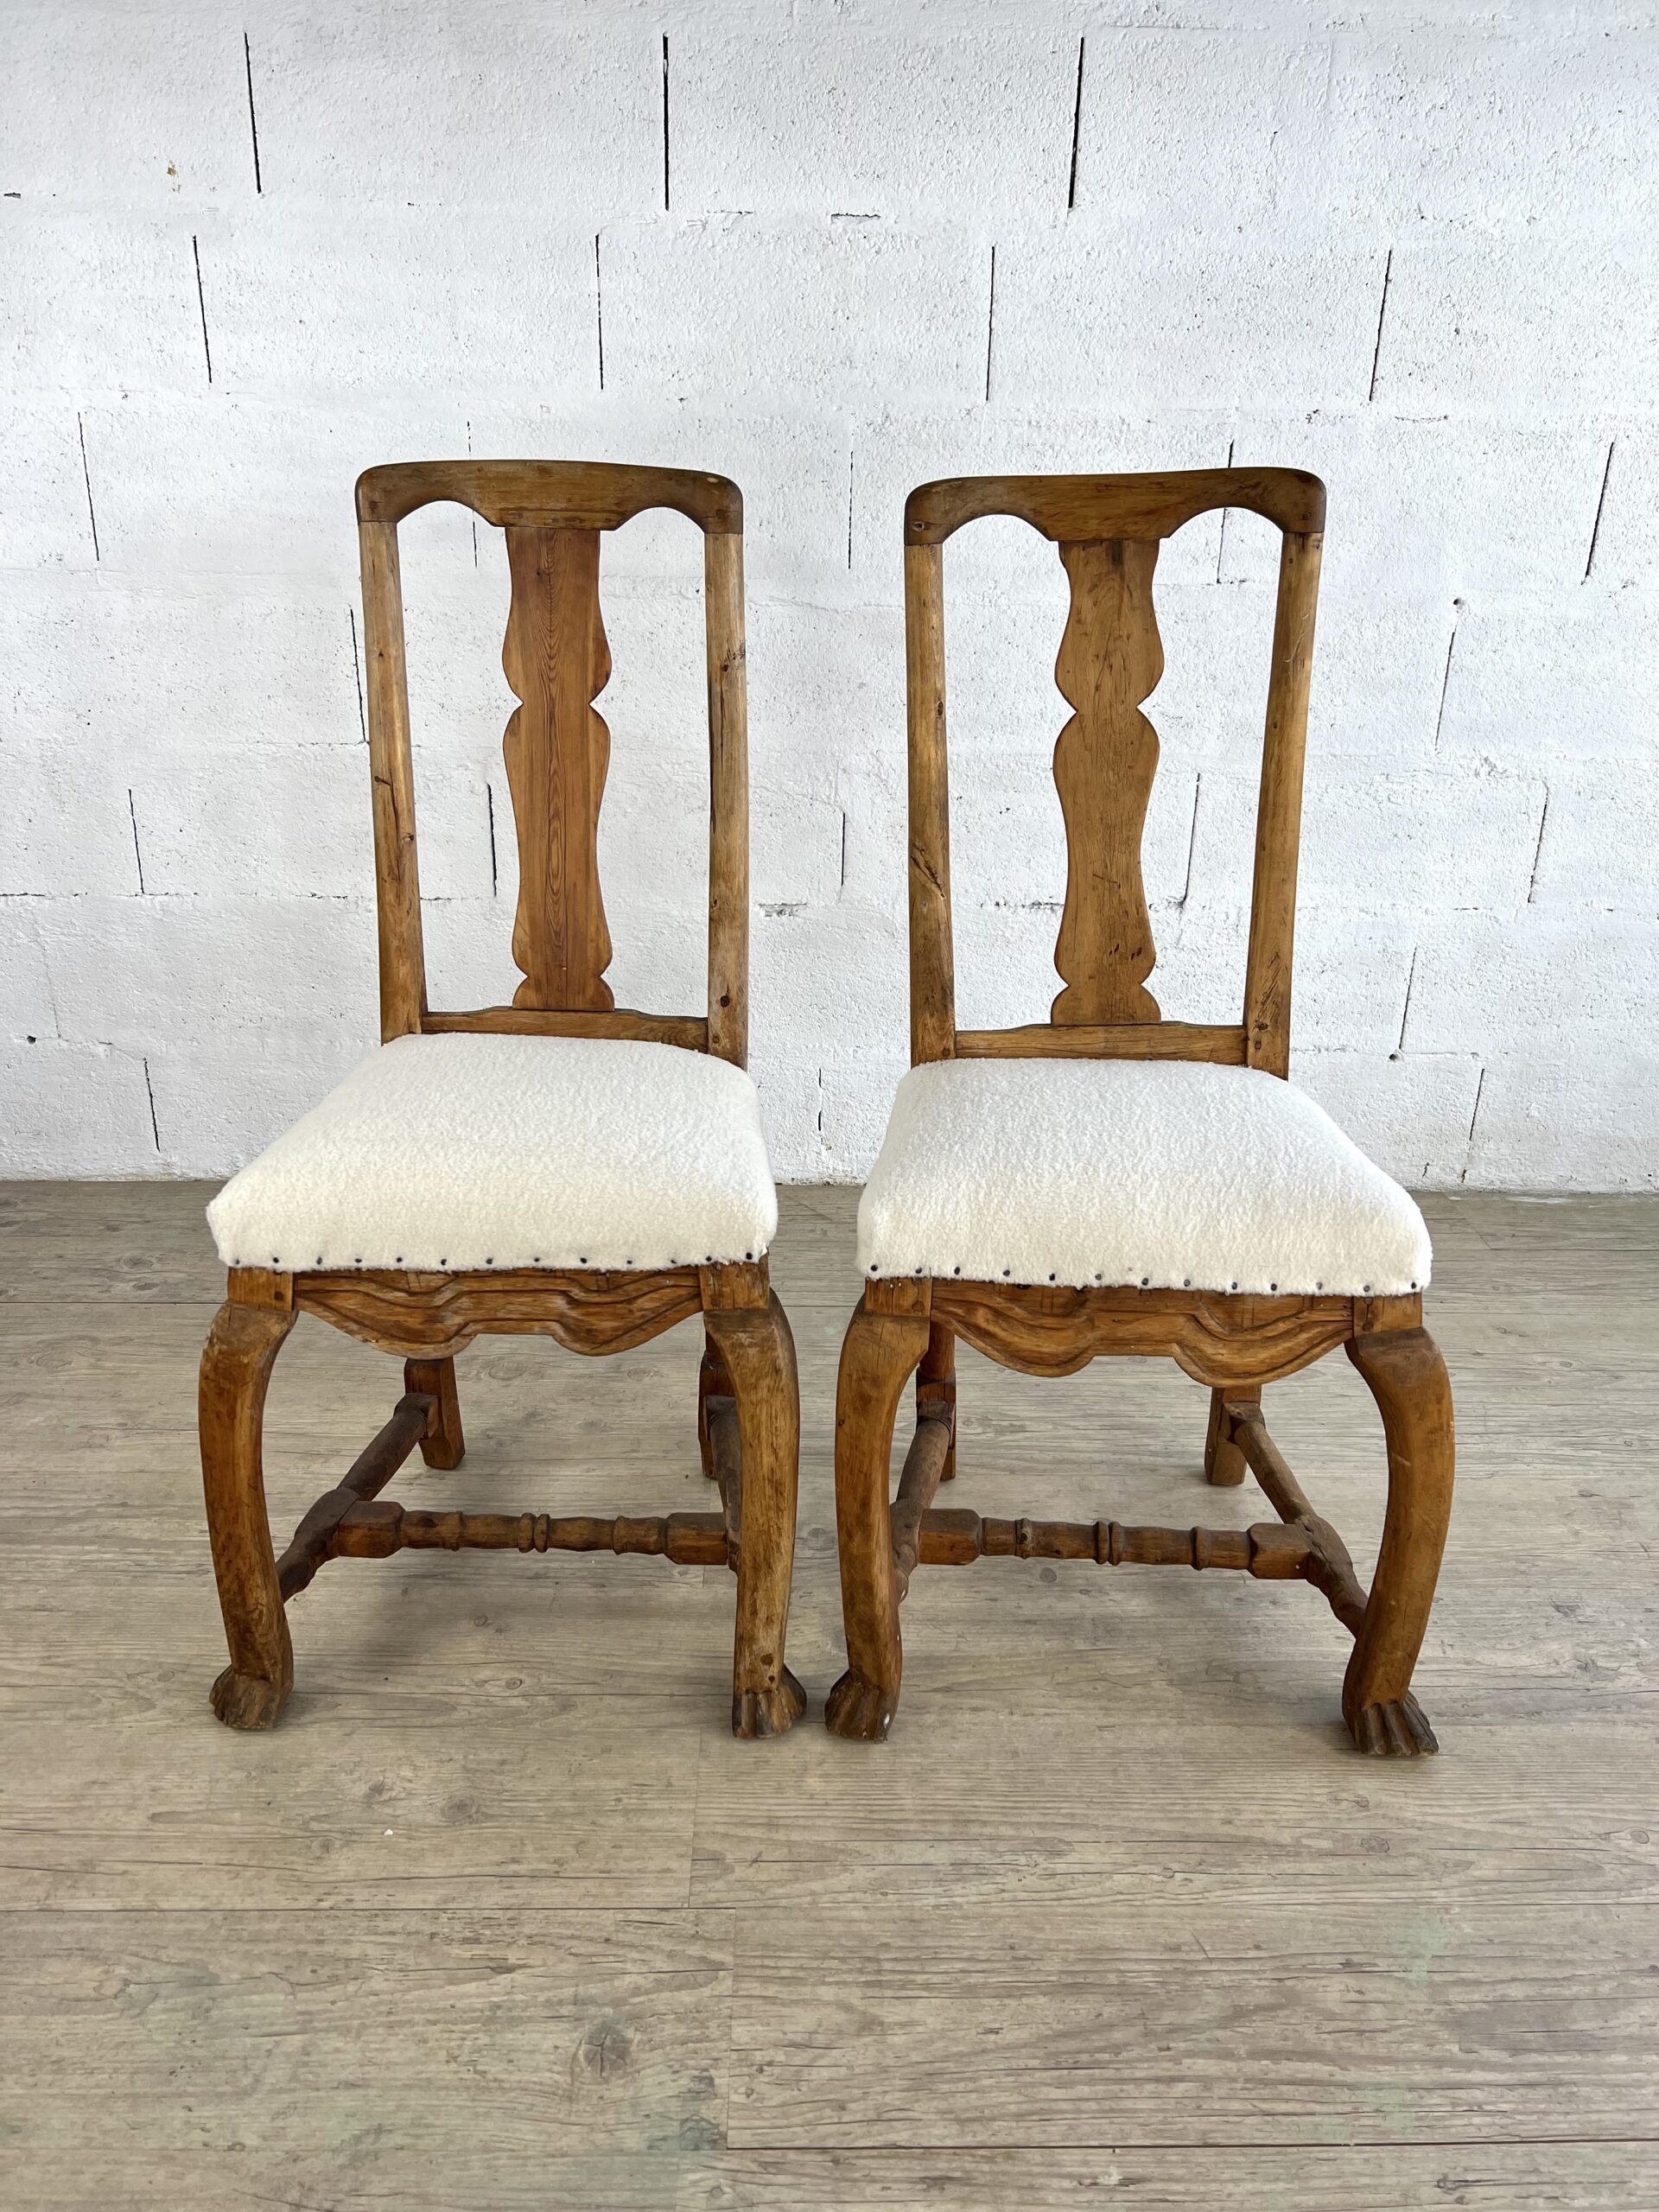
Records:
x=557, y=747
x=1109, y=530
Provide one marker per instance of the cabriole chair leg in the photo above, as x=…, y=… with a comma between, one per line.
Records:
x=235, y=1362
x=1407, y=1377
x=758, y=1353
x=876, y=1360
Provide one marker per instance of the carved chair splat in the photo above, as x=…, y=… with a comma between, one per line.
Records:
x=389, y=1280
x=1117, y=1092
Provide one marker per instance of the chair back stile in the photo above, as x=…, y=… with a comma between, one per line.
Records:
x=557, y=746
x=397, y=864
x=1109, y=530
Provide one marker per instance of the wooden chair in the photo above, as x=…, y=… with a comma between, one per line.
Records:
x=558, y=1167
x=1110, y=1182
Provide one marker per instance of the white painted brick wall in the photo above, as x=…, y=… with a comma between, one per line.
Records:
x=828, y=311
x=831, y=249
x=394, y=306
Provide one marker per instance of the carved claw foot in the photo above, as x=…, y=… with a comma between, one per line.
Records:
x=1397, y=1730
x=248, y=1700
x=861, y=1711
x=769, y=1713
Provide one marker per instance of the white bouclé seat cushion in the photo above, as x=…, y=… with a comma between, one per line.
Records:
x=1165, y=1174
x=463, y=1152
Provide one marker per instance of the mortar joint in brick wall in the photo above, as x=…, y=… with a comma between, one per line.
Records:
x=86, y=479
x=1538, y=849
x=357, y=676
x=138, y=852
x=1446, y=675
x=1382, y=310
x=665, y=187
x=201, y=305
x=1601, y=501
x=598, y=328
x=472, y=518
x=150, y=1093
x=991, y=325
x=1076, y=131
x=253, y=120
x=1221, y=534
x=1405, y=1010
x=1469, y=1142
x=1192, y=838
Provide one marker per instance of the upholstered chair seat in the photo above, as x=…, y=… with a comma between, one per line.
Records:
x=458, y=1153
x=1167, y=1175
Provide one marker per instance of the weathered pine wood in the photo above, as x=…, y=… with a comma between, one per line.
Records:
x=553, y=514
x=932, y=969
x=759, y=1350
x=723, y=1283
x=1111, y=658
x=688, y=1031
x=1278, y=809
x=1247, y=1431
x=727, y=1035
x=443, y=1444
x=311, y=1542
x=936, y=1388
x=904, y=1295
x=1216, y=1337
x=1109, y=530
x=428, y=1315
x=950, y=1536
x=714, y=1380
x=1406, y=1375
x=1224, y=1463
x=376, y=1529
x=235, y=1362
x=881, y=1350
x=1221, y=1043
x=1380, y=1315
x=397, y=880
x=1071, y=508
x=558, y=749
x=726, y=1468
x=549, y=494
x=923, y=1470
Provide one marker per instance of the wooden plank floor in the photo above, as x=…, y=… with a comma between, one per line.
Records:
x=501, y=1917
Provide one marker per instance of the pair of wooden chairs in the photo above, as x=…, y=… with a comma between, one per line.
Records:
x=1108, y=1182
